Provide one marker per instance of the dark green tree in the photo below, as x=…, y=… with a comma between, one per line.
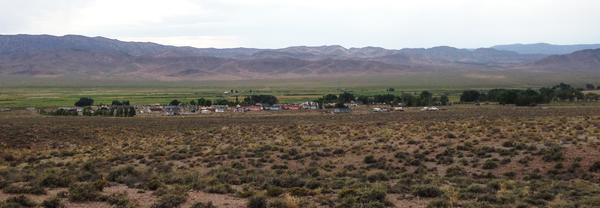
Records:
x=364, y=99
x=589, y=86
x=120, y=112
x=192, y=102
x=470, y=96
x=444, y=99
x=84, y=102
x=330, y=98
x=131, y=112
x=507, y=97
x=174, y=102
x=125, y=112
x=201, y=102
x=347, y=97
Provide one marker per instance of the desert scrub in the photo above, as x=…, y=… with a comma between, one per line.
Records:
x=52, y=202
x=274, y=191
x=370, y=195
x=427, y=191
x=257, y=202
x=80, y=192
x=17, y=201
x=24, y=189
x=203, y=205
x=489, y=164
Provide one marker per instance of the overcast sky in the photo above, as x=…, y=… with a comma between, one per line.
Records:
x=391, y=24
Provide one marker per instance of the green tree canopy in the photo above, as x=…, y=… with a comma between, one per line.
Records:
x=470, y=96
x=84, y=102
x=174, y=102
x=261, y=99
x=347, y=97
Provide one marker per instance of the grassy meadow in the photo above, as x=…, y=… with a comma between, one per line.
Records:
x=22, y=92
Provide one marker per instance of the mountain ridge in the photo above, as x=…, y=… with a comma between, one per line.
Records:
x=104, y=58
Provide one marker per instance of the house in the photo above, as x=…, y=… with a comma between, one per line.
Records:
x=220, y=110
x=292, y=107
x=397, y=109
x=310, y=105
x=155, y=110
x=243, y=105
x=172, y=110
x=30, y=108
x=206, y=112
x=275, y=107
x=155, y=104
x=192, y=107
x=342, y=110
x=254, y=108
x=265, y=106
x=5, y=109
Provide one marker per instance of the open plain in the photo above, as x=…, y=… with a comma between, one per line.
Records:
x=469, y=156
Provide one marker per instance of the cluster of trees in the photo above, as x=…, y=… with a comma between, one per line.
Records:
x=563, y=92
x=87, y=111
x=112, y=112
x=84, y=102
x=425, y=98
x=253, y=99
x=59, y=112
x=338, y=100
x=116, y=102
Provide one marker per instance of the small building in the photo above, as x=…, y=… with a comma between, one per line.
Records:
x=342, y=110
x=397, y=109
x=5, y=109
x=254, y=108
x=155, y=110
x=275, y=107
x=192, y=107
x=206, y=112
x=265, y=106
x=292, y=107
x=172, y=110
x=220, y=110
x=30, y=108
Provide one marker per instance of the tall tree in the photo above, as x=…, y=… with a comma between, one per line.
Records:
x=470, y=96
x=84, y=102
x=174, y=102
x=131, y=112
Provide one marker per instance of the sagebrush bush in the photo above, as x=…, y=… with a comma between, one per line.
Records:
x=203, y=205
x=274, y=191
x=257, y=202
x=53, y=202
x=19, y=189
x=489, y=164
x=169, y=201
x=18, y=201
x=427, y=191
x=80, y=192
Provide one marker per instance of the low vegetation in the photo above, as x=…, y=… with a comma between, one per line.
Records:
x=463, y=157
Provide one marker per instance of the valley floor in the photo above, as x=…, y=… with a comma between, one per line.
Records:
x=469, y=156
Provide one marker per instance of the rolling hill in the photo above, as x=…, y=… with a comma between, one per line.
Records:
x=103, y=58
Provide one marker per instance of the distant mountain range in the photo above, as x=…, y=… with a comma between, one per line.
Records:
x=103, y=58
x=545, y=48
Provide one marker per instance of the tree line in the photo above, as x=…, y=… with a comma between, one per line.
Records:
x=425, y=98
x=561, y=92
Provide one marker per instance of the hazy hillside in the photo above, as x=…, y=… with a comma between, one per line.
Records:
x=103, y=58
x=579, y=60
x=544, y=48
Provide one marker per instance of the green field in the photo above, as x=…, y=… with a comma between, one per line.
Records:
x=21, y=92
